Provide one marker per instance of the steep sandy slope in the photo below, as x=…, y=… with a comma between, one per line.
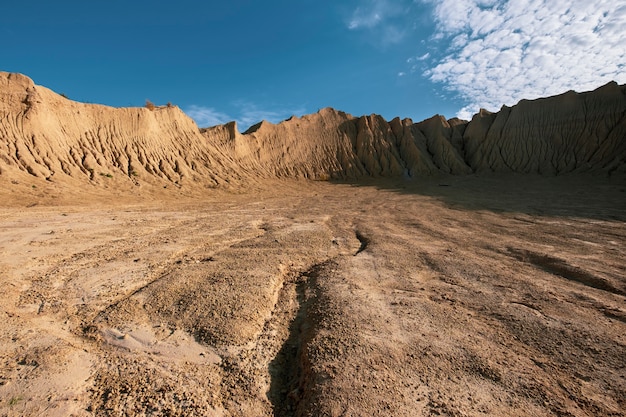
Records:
x=332, y=144
x=48, y=136
x=51, y=137
x=565, y=133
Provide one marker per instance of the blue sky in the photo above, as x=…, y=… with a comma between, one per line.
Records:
x=250, y=60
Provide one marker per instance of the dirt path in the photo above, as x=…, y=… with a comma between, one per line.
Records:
x=453, y=296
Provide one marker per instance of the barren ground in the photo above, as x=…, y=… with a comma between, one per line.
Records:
x=458, y=296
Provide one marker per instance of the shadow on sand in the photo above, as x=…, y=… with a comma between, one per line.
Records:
x=574, y=195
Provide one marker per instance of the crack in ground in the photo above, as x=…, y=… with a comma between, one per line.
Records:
x=288, y=370
x=271, y=366
x=364, y=242
x=262, y=373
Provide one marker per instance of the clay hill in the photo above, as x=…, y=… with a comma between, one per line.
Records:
x=50, y=137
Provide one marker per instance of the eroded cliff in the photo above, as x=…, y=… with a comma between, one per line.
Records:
x=48, y=136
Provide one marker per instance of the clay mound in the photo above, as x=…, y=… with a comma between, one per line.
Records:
x=567, y=133
x=48, y=136
x=571, y=132
x=45, y=135
x=331, y=144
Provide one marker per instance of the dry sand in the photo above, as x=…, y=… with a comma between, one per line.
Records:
x=457, y=296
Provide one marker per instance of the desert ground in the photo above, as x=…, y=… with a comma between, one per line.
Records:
x=455, y=296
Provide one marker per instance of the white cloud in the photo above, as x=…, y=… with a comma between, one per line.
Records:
x=383, y=17
x=248, y=114
x=370, y=14
x=207, y=116
x=361, y=18
x=501, y=51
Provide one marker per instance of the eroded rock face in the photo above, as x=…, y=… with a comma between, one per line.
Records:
x=567, y=133
x=48, y=136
